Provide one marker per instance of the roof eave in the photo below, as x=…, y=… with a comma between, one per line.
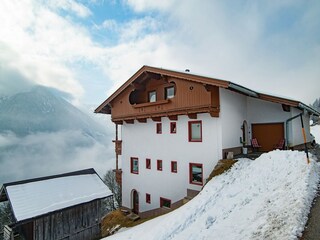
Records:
x=308, y=109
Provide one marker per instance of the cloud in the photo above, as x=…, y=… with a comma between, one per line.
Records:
x=69, y=5
x=269, y=46
x=45, y=47
x=43, y=154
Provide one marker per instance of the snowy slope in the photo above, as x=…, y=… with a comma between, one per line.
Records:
x=315, y=130
x=268, y=198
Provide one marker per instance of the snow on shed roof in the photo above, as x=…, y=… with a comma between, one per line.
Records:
x=36, y=197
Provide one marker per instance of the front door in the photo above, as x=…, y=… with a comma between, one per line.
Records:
x=135, y=202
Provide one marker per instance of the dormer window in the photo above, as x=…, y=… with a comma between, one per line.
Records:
x=169, y=92
x=152, y=96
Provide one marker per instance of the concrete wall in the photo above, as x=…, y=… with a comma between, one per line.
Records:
x=140, y=140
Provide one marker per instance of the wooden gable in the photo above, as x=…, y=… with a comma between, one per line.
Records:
x=192, y=95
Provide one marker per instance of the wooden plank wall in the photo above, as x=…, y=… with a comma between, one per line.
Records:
x=81, y=223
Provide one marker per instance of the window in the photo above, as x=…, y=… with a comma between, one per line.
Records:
x=152, y=97
x=169, y=92
x=174, y=166
x=195, y=131
x=148, y=163
x=165, y=202
x=134, y=165
x=159, y=165
x=159, y=128
x=148, y=198
x=173, y=127
x=196, y=173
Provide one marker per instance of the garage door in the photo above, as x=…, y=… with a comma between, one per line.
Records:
x=268, y=134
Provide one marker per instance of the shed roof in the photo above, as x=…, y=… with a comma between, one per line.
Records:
x=39, y=196
x=146, y=71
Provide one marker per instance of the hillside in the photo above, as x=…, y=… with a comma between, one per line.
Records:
x=43, y=134
x=39, y=110
x=268, y=198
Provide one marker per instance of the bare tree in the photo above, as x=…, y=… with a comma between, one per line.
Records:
x=110, y=180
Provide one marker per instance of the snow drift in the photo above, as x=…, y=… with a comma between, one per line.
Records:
x=268, y=198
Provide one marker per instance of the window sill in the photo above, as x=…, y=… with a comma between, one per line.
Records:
x=160, y=102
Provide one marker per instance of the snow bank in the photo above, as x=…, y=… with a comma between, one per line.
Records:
x=268, y=198
x=315, y=130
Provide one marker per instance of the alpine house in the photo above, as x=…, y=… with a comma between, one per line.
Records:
x=175, y=126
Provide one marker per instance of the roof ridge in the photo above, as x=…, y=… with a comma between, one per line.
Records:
x=68, y=174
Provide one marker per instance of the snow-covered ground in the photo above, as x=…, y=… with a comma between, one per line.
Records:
x=315, y=130
x=268, y=198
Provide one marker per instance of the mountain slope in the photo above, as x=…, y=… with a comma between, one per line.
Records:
x=42, y=134
x=41, y=111
x=268, y=198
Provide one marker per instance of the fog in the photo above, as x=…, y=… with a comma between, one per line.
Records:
x=43, y=154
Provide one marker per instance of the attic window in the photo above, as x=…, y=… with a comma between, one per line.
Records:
x=169, y=92
x=152, y=96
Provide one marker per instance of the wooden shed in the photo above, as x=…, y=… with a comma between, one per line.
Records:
x=67, y=206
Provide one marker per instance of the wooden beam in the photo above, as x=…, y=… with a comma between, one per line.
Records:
x=156, y=119
x=192, y=115
x=214, y=114
x=129, y=121
x=142, y=120
x=119, y=122
x=173, y=117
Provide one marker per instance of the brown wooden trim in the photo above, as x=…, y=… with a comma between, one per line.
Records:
x=173, y=117
x=280, y=100
x=142, y=120
x=119, y=122
x=156, y=119
x=192, y=115
x=129, y=121
x=159, y=102
x=168, y=113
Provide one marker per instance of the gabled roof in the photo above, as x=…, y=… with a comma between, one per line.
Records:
x=36, y=197
x=146, y=71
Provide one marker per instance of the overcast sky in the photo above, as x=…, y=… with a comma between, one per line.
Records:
x=89, y=48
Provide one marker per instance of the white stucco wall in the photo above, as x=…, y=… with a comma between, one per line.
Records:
x=295, y=131
x=233, y=112
x=140, y=140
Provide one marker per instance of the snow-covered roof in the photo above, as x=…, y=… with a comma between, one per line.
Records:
x=36, y=197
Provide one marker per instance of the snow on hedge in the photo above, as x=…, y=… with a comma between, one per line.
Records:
x=268, y=198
